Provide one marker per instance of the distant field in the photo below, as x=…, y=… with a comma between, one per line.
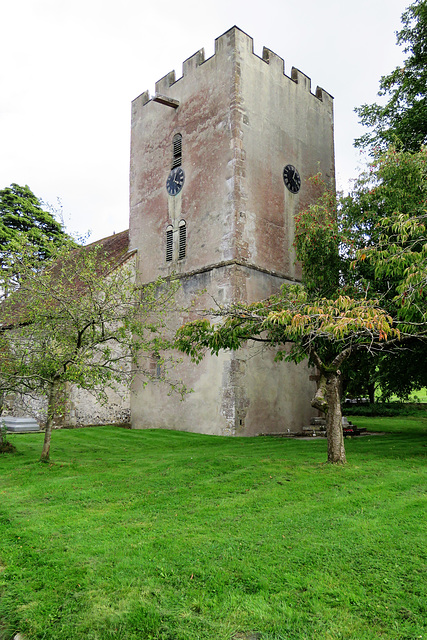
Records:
x=419, y=396
x=157, y=535
x=416, y=396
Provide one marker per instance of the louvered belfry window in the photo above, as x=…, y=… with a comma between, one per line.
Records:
x=177, y=151
x=180, y=250
x=169, y=244
x=182, y=240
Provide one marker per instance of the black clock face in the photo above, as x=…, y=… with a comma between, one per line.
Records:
x=175, y=181
x=291, y=178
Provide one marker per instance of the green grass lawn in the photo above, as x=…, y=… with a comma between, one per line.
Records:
x=159, y=535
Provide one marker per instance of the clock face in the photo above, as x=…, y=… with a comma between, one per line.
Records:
x=291, y=178
x=175, y=181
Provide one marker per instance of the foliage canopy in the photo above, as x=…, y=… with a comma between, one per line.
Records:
x=82, y=320
x=402, y=120
x=25, y=227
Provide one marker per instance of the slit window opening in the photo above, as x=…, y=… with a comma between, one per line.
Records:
x=156, y=368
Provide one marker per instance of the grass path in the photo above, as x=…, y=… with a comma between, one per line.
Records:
x=157, y=535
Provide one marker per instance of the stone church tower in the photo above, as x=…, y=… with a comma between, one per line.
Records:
x=219, y=164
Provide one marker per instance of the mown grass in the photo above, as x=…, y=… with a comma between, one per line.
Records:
x=159, y=535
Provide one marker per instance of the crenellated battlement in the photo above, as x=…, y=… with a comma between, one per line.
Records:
x=193, y=62
x=273, y=60
x=164, y=83
x=235, y=40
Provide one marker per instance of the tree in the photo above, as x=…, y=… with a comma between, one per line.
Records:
x=80, y=320
x=394, y=183
x=8, y=380
x=363, y=297
x=25, y=223
x=326, y=331
x=391, y=192
x=401, y=256
x=402, y=120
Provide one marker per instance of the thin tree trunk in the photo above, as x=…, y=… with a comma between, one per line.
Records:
x=50, y=418
x=336, y=449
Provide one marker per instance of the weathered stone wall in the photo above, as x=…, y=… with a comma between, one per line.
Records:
x=278, y=122
x=80, y=408
x=236, y=393
x=83, y=408
x=204, y=119
x=22, y=407
x=241, y=120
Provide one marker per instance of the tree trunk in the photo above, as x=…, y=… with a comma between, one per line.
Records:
x=320, y=401
x=336, y=450
x=371, y=392
x=328, y=400
x=53, y=391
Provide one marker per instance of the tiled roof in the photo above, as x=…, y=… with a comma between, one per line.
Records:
x=115, y=251
x=116, y=246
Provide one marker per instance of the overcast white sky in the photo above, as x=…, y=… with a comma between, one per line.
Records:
x=69, y=70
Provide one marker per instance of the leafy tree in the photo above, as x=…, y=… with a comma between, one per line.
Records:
x=25, y=223
x=317, y=240
x=402, y=119
x=8, y=380
x=363, y=299
x=393, y=184
x=388, y=201
x=326, y=331
x=80, y=320
x=400, y=255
